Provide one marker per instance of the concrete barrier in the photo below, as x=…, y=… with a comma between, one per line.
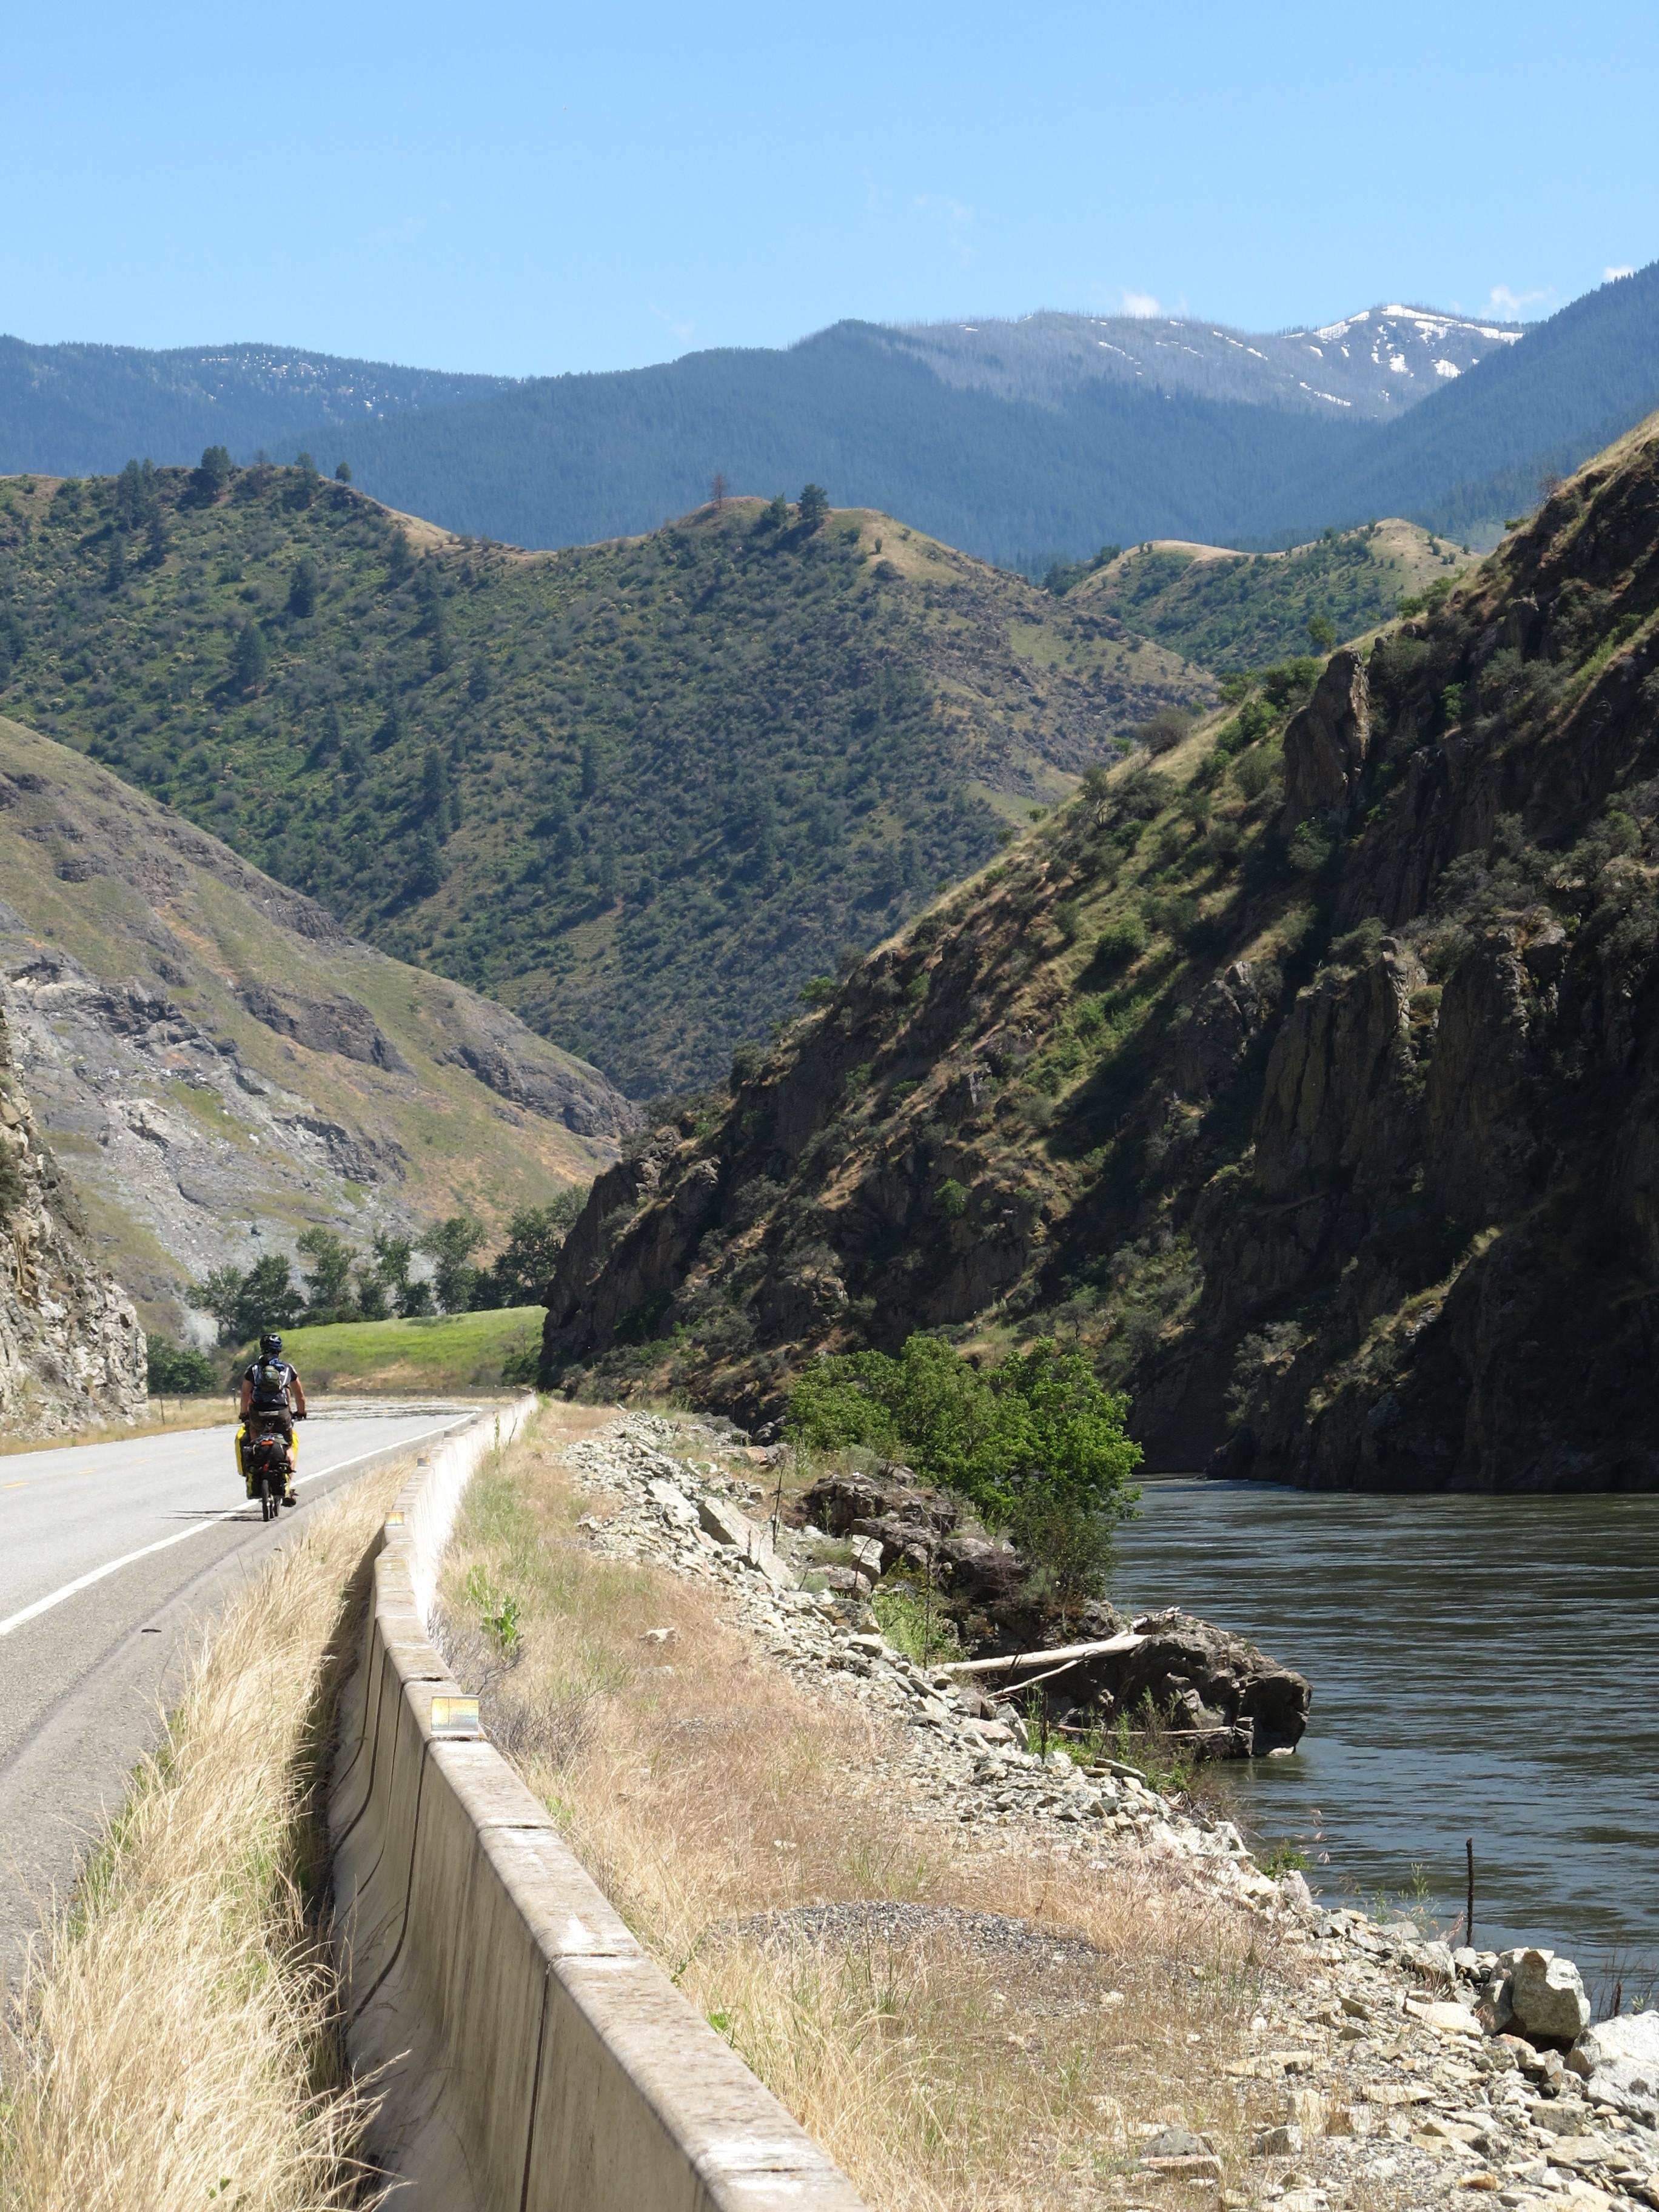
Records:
x=530, y=2057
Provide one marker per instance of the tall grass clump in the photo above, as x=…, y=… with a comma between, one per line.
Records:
x=176, y=2038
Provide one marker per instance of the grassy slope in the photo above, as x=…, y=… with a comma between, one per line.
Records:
x=154, y=908
x=1235, y=611
x=450, y=1351
x=687, y=769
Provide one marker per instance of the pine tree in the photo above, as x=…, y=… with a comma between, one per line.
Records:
x=248, y=661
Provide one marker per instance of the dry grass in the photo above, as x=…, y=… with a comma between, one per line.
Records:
x=175, y=2042
x=701, y=1787
x=166, y=1415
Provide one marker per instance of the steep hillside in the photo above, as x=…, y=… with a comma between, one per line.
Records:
x=81, y=409
x=641, y=792
x=1237, y=611
x=71, y=1350
x=1309, y=1080
x=221, y=1066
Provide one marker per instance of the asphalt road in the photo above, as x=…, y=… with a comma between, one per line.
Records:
x=111, y=1555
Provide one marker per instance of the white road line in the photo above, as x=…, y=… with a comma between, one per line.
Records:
x=113, y=1566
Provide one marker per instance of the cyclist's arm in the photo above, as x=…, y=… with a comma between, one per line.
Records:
x=299, y=1396
x=247, y=1397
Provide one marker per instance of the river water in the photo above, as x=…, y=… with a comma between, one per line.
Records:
x=1484, y=1667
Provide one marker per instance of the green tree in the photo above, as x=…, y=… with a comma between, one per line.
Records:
x=478, y=680
x=328, y=1276
x=436, y=808
x=219, y=1293
x=210, y=479
x=1322, y=633
x=392, y=1255
x=427, y=875
x=303, y=587
x=813, y=507
x=391, y=732
x=246, y=1305
x=248, y=658
x=179, y=1371
x=342, y=472
x=521, y=1270
x=450, y=1245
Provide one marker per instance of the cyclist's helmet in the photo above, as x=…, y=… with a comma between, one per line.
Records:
x=270, y=1342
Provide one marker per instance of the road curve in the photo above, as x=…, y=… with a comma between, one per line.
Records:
x=110, y=1554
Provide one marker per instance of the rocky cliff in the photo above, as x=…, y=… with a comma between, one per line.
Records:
x=71, y=1350
x=1309, y=1078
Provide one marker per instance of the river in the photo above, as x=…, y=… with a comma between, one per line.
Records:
x=1484, y=1667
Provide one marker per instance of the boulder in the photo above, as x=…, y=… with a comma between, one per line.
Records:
x=674, y=1502
x=868, y=1554
x=1235, y=1700
x=1548, y=1997
x=837, y=1502
x=727, y=1524
x=1619, y=2060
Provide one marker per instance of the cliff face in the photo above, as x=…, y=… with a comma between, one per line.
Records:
x=71, y=1350
x=1309, y=1081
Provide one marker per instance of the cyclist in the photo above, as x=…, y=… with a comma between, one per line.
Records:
x=273, y=1399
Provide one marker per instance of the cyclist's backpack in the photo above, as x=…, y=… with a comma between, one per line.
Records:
x=270, y=1382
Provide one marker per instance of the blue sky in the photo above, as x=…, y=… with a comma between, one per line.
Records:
x=533, y=189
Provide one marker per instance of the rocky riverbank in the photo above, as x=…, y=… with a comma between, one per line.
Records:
x=1384, y=2069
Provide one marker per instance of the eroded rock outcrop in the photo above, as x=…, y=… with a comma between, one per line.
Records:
x=71, y=1350
x=1325, y=744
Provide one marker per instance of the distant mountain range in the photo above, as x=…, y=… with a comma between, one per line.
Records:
x=1018, y=441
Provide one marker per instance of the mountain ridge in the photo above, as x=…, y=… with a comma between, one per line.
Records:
x=1020, y=463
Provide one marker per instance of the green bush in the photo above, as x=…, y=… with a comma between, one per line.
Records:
x=1122, y=941
x=1310, y=848
x=179, y=1372
x=1036, y=1442
x=952, y=1198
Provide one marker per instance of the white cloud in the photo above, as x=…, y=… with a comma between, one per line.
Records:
x=681, y=330
x=1503, y=301
x=1610, y=276
x=1140, y=303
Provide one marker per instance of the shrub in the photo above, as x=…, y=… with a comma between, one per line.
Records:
x=1310, y=849
x=1253, y=771
x=179, y=1370
x=952, y=1198
x=1122, y=941
x=1165, y=731
x=1037, y=1443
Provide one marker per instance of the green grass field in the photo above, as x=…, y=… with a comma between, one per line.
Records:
x=451, y=1352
